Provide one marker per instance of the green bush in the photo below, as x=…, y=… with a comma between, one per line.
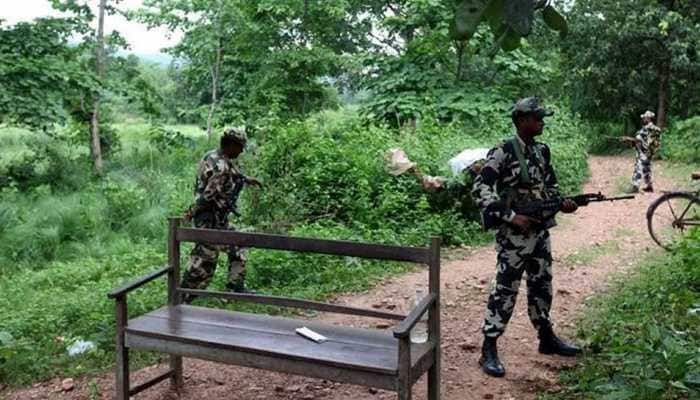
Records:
x=30, y=159
x=682, y=141
x=645, y=335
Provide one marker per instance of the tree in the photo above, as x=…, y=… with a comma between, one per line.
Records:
x=41, y=72
x=628, y=56
x=100, y=61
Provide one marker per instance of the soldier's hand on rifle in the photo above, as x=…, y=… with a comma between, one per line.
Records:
x=569, y=206
x=524, y=222
x=254, y=182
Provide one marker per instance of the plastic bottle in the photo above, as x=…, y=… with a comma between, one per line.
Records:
x=419, y=333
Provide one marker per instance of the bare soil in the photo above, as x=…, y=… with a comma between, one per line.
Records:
x=590, y=246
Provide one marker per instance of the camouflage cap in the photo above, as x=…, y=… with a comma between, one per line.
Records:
x=238, y=134
x=648, y=114
x=530, y=105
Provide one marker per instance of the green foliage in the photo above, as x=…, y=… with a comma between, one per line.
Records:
x=166, y=139
x=644, y=334
x=29, y=159
x=622, y=52
x=40, y=71
x=682, y=141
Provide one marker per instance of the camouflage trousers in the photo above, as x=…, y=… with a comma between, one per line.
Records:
x=642, y=170
x=204, y=257
x=518, y=253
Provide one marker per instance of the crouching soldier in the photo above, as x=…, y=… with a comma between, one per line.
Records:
x=219, y=181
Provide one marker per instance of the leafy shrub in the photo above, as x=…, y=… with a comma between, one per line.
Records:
x=29, y=159
x=645, y=334
x=163, y=138
x=682, y=141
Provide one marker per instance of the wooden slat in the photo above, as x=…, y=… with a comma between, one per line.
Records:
x=158, y=379
x=434, y=334
x=177, y=379
x=403, y=329
x=280, y=325
x=303, y=368
x=138, y=282
x=278, y=242
x=381, y=360
x=295, y=303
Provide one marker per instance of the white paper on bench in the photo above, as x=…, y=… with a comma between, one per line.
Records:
x=309, y=334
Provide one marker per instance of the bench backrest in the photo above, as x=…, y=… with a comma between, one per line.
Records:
x=177, y=235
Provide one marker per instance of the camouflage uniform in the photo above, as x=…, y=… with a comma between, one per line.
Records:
x=500, y=183
x=217, y=178
x=649, y=138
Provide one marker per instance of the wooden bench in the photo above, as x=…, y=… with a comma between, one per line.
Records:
x=374, y=358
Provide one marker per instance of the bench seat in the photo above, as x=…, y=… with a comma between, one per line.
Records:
x=270, y=342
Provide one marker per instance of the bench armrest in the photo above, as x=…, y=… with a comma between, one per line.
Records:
x=403, y=329
x=138, y=282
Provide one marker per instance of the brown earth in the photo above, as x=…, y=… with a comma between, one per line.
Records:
x=598, y=241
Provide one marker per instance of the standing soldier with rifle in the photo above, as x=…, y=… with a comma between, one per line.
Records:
x=647, y=143
x=219, y=182
x=519, y=171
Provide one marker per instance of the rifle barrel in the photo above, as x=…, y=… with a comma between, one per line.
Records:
x=618, y=198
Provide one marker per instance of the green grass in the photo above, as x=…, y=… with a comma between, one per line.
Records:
x=644, y=335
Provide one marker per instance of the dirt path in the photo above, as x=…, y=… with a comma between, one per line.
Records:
x=589, y=246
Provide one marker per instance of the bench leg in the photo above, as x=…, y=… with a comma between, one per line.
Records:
x=122, y=380
x=434, y=382
x=122, y=373
x=176, y=381
x=405, y=392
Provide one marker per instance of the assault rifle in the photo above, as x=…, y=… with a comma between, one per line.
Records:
x=545, y=209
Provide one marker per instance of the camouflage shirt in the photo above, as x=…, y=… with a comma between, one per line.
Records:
x=649, y=140
x=500, y=182
x=217, y=176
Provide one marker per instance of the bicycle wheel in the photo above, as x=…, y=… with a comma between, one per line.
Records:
x=671, y=216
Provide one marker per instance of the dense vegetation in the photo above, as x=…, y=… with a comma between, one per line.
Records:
x=325, y=88
x=645, y=334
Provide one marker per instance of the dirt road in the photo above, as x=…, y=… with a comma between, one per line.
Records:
x=598, y=241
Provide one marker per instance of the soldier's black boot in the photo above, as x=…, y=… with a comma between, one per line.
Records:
x=551, y=344
x=238, y=286
x=489, y=361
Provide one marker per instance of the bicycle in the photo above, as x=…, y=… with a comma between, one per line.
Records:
x=670, y=216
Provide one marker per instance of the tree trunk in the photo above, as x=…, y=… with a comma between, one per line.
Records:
x=95, y=146
x=664, y=76
x=215, y=71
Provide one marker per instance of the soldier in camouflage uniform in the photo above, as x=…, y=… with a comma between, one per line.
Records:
x=647, y=143
x=219, y=180
x=519, y=170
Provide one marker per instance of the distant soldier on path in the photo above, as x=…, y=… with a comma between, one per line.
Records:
x=647, y=143
x=520, y=170
x=219, y=181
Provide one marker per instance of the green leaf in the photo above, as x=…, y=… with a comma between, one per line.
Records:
x=555, y=20
x=519, y=15
x=468, y=15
